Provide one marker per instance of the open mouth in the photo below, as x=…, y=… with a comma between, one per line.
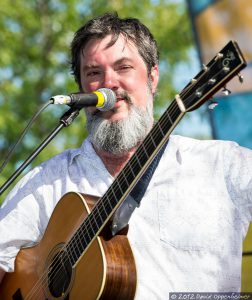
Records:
x=118, y=99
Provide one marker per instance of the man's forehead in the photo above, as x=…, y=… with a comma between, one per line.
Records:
x=102, y=44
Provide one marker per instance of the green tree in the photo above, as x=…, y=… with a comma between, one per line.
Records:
x=34, y=64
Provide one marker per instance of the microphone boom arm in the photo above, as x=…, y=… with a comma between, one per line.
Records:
x=65, y=120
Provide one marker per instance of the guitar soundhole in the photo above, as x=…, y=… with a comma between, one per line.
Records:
x=59, y=275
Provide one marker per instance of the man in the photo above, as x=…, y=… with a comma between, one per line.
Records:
x=187, y=234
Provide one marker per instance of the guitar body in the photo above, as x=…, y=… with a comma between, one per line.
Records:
x=106, y=270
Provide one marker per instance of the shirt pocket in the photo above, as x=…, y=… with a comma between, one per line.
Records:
x=196, y=223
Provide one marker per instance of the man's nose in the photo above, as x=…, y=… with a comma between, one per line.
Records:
x=110, y=80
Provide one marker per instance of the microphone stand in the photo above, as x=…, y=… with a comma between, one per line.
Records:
x=66, y=119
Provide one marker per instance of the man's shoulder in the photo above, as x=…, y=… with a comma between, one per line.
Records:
x=188, y=142
x=223, y=149
x=60, y=159
x=228, y=152
x=60, y=163
x=50, y=167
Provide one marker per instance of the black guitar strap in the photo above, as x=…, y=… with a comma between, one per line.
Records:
x=133, y=200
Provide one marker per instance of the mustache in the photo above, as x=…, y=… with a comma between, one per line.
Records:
x=124, y=96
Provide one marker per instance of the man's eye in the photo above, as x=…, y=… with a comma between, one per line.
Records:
x=93, y=73
x=125, y=67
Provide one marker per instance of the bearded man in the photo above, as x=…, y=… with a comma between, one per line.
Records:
x=187, y=234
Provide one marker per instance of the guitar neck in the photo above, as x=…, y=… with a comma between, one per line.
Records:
x=125, y=181
x=222, y=68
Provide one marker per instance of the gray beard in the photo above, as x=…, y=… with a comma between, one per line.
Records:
x=119, y=137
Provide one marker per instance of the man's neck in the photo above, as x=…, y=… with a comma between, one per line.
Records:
x=115, y=163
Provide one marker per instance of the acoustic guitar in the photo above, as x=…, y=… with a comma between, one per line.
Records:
x=77, y=257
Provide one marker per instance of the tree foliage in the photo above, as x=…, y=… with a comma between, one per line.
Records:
x=34, y=64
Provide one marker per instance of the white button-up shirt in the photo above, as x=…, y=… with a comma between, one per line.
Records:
x=187, y=233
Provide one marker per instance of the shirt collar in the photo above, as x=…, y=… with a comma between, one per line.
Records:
x=88, y=153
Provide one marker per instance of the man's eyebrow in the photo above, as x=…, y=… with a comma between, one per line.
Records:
x=117, y=62
x=123, y=60
x=90, y=66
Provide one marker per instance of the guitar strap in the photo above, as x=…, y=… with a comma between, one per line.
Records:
x=133, y=200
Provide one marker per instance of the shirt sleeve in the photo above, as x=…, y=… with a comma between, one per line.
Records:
x=19, y=220
x=238, y=162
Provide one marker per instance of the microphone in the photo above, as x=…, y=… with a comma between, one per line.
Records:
x=104, y=99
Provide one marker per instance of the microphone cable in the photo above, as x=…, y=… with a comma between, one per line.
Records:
x=23, y=133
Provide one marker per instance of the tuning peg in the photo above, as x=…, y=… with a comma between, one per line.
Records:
x=211, y=81
x=205, y=68
x=226, y=69
x=212, y=104
x=226, y=91
x=241, y=79
x=218, y=56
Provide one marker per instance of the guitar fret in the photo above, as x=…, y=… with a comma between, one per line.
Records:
x=125, y=178
x=103, y=206
x=75, y=244
x=70, y=258
x=116, y=182
x=75, y=256
x=153, y=141
x=94, y=226
x=78, y=243
x=82, y=239
x=108, y=198
x=129, y=174
x=69, y=253
x=131, y=170
x=87, y=237
x=103, y=213
x=113, y=195
x=97, y=216
x=144, y=148
x=90, y=228
x=160, y=128
x=169, y=117
x=95, y=219
x=138, y=161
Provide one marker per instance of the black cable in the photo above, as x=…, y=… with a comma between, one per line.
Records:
x=10, y=152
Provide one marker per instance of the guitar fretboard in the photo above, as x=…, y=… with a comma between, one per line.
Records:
x=124, y=183
x=224, y=66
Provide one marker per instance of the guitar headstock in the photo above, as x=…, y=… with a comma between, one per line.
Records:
x=221, y=69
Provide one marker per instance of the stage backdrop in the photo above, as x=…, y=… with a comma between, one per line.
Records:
x=214, y=24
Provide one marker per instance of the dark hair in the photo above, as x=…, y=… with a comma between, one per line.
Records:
x=109, y=23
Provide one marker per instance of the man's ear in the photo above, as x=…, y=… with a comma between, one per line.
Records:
x=154, y=76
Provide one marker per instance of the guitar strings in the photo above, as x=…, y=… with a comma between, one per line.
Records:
x=104, y=201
